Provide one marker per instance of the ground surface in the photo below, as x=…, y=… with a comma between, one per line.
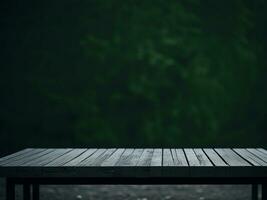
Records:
x=144, y=192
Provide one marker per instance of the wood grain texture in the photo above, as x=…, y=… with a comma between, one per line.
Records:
x=232, y=158
x=259, y=154
x=254, y=160
x=156, y=158
x=19, y=156
x=262, y=150
x=215, y=158
x=132, y=159
x=13, y=155
x=66, y=157
x=202, y=158
x=167, y=158
x=114, y=158
x=35, y=155
x=191, y=157
x=92, y=159
x=43, y=160
x=100, y=159
x=146, y=157
x=130, y=162
x=179, y=158
x=80, y=158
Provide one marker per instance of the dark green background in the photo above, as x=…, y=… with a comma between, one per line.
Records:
x=163, y=73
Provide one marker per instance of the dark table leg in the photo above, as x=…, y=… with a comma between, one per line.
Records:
x=254, y=191
x=264, y=191
x=35, y=191
x=10, y=189
x=26, y=191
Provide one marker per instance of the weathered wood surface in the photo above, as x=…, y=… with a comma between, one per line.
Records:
x=120, y=162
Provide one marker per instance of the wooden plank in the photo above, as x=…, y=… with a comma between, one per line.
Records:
x=34, y=156
x=191, y=157
x=13, y=155
x=264, y=191
x=80, y=158
x=231, y=158
x=258, y=153
x=43, y=160
x=132, y=159
x=262, y=150
x=179, y=158
x=114, y=158
x=66, y=157
x=201, y=156
x=250, y=157
x=99, y=160
x=167, y=158
x=21, y=156
x=156, y=158
x=92, y=158
x=146, y=157
x=125, y=157
x=118, y=158
x=214, y=157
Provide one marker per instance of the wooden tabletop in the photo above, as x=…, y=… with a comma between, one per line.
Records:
x=121, y=162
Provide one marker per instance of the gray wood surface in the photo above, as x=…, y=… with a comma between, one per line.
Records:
x=66, y=157
x=203, y=159
x=192, y=158
x=258, y=153
x=262, y=150
x=179, y=157
x=43, y=160
x=231, y=157
x=100, y=159
x=156, y=158
x=215, y=158
x=21, y=156
x=15, y=154
x=146, y=157
x=254, y=160
x=91, y=159
x=132, y=159
x=167, y=158
x=188, y=162
x=37, y=154
x=114, y=158
x=80, y=158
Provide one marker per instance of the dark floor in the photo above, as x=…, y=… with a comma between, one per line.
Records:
x=144, y=192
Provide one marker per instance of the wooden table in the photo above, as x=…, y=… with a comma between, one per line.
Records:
x=34, y=167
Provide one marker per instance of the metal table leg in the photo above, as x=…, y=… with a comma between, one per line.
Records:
x=264, y=191
x=26, y=191
x=254, y=192
x=35, y=191
x=10, y=189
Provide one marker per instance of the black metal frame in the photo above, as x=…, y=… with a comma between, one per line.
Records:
x=31, y=185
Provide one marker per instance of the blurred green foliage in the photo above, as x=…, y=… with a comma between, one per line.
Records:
x=133, y=73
